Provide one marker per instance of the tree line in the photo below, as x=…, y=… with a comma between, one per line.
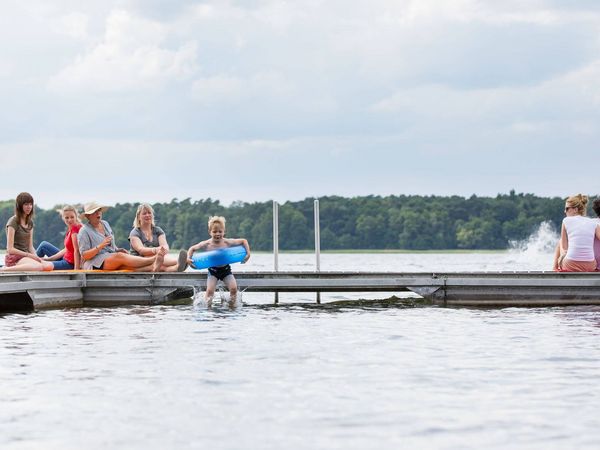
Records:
x=410, y=222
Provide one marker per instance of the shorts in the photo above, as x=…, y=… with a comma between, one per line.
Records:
x=62, y=264
x=221, y=272
x=12, y=260
x=570, y=265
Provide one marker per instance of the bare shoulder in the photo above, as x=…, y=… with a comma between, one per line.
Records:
x=203, y=244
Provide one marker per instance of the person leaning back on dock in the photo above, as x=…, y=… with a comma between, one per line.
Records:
x=20, y=253
x=576, y=248
x=146, y=239
x=98, y=250
x=216, y=229
x=596, y=208
x=68, y=258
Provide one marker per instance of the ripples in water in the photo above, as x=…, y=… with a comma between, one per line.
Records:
x=357, y=372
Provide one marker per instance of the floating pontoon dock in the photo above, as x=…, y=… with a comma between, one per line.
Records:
x=28, y=291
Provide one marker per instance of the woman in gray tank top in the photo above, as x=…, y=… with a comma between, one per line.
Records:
x=146, y=239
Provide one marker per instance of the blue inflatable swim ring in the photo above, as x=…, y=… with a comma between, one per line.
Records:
x=220, y=257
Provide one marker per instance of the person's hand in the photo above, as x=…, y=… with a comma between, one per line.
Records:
x=560, y=260
x=246, y=258
x=162, y=251
x=36, y=257
x=106, y=241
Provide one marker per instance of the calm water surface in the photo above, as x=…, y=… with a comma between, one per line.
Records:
x=388, y=374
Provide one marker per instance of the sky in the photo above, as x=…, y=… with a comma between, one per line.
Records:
x=254, y=100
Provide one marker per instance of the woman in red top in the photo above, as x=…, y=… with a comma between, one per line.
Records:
x=68, y=258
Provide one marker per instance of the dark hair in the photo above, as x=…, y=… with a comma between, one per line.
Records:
x=22, y=198
x=596, y=206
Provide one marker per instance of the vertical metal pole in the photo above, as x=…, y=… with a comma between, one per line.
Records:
x=318, y=243
x=276, y=242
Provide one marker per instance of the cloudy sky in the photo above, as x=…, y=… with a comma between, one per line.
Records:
x=149, y=100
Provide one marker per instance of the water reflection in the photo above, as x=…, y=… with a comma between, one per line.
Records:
x=353, y=373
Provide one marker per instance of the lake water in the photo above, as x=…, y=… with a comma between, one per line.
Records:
x=383, y=375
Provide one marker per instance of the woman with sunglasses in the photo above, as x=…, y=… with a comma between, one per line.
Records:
x=576, y=248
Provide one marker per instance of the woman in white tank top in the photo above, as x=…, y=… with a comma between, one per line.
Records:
x=596, y=208
x=577, y=237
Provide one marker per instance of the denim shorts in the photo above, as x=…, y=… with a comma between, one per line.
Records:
x=62, y=264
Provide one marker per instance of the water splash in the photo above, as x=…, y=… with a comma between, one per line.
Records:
x=536, y=252
x=199, y=299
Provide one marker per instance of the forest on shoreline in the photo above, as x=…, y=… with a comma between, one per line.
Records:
x=395, y=222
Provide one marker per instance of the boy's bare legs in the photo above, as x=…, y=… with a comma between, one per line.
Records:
x=211, y=285
x=231, y=284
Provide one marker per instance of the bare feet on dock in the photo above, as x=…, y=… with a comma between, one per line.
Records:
x=158, y=262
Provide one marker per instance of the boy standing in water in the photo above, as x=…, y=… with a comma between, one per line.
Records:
x=216, y=229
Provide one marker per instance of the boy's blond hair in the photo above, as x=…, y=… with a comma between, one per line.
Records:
x=216, y=219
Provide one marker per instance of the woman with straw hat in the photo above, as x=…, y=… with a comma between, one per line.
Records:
x=98, y=250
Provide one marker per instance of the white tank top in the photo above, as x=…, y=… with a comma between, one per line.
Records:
x=581, y=232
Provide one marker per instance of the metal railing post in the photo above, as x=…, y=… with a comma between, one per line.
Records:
x=276, y=242
x=317, y=243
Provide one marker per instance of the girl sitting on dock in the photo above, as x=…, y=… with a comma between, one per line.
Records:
x=576, y=248
x=146, y=239
x=216, y=229
x=68, y=258
x=98, y=250
x=20, y=253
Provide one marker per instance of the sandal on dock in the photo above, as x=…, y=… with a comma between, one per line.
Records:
x=182, y=261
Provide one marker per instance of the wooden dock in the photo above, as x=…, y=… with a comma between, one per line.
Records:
x=30, y=291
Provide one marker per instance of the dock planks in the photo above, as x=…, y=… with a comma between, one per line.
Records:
x=34, y=290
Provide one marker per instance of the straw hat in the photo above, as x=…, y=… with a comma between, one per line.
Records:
x=91, y=208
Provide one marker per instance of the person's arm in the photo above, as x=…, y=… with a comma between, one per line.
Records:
x=136, y=244
x=162, y=241
x=76, y=255
x=12, y=250
x=243, y=242
x=56, y=256
x=598, y=232
x=32, y=252
x=564, y=246
x=85, y=245
x=194, y=248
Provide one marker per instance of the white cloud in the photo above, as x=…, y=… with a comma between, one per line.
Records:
x=234, y=89
x=131, y=56
x=372, y=89
x=74, y=25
